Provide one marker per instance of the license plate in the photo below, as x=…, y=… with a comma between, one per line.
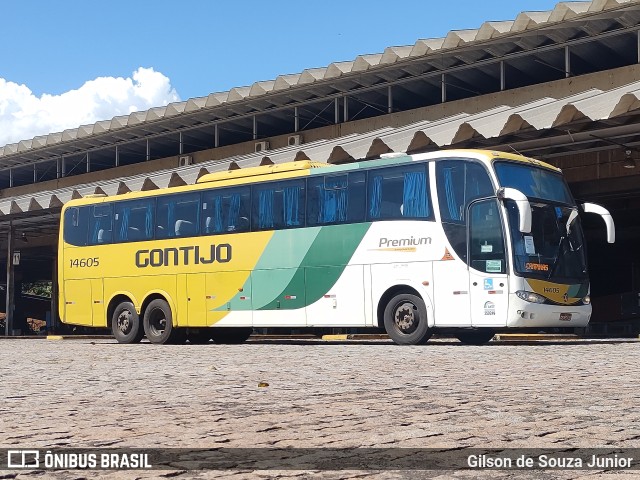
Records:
x=565, y=317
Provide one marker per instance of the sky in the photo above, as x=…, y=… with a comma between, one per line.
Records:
x=74, y=62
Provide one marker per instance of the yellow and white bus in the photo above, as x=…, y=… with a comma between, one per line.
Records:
x=460, y=239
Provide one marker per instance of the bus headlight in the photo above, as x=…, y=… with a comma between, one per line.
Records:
x=530, y=297
x=586, y=300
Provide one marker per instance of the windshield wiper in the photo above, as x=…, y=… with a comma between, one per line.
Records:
x=556, y=260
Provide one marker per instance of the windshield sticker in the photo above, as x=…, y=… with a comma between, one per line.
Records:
x=486, y=248
x=539, y=267
x=493, y=266
x=488, y=283
x=529, y=247
x=558, y=212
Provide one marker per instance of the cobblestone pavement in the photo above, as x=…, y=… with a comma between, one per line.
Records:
x=96, y=393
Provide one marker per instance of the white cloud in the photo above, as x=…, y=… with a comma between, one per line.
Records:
x=24, y=115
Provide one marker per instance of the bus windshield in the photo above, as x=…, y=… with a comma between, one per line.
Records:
x=555, y=247
x=534, y=182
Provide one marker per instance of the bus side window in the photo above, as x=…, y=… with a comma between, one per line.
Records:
x=226, y=210
x=76, y=225
x=336, y=199
x=278, y=205
x=101, y=224
x=399, y=192
x=177, y=215
x=134, y=220
x=459, y=182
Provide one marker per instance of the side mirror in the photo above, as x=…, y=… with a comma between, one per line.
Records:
x=606, y=216
x=522, y=202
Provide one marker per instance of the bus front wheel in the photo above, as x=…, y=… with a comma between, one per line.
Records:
x=405, y=320
x=125, y=324
x=158, y=322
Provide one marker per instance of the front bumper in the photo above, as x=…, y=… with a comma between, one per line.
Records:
x=524, y=314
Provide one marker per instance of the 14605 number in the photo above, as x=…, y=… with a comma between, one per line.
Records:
x=84, y=262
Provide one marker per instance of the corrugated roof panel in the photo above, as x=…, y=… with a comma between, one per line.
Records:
x=175, y=108
x=238, y=93
x=365, y=62
x=338, y=69
x=455, y=38
x=393, y=54
x=489, y=30
x=119, y=122
x=194, y=104
x=260, y=88
x=136, y=118
x=215, y=99
x=70, y=134
x=286, y=81
x=24, y=145
x=102, y=126
x=155, y=113
x=311, y=75
x=568, y=10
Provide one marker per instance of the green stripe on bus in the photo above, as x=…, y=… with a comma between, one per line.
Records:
x=329, y=254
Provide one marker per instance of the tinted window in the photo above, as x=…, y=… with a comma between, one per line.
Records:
x=177, y=215
x=460, y=182
x=101, y=224
x=133, y=220
x=278, y=205
x=226, y=210
x=486, y=237
x=399, y=192
x=76, y=225
x=336, y=199
x=534, y=182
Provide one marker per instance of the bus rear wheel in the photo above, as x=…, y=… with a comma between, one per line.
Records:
x=125, y=324
x=405, y=320
x=230, y=335
x=158, y=323
x=478, y=336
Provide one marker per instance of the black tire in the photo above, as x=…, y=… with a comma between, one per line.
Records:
x=125, y=324
x=405, y=320
x=478, y=336
x=199, y=336
x=158, y=323
x=231, y=335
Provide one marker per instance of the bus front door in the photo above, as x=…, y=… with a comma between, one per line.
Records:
x=488, y=281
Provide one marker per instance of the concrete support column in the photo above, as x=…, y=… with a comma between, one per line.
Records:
x=255, y=128
x=296, y=119
x=8, y=322
x=54, y=296
x=346, y=109
x=88, y=162
x=443, y=83
x=181, y=148
x=336, y=110
x=216, y=136
x=117, y=156
x=148, y=156
x=567, y=62
x=389, y=99
x=503, y=77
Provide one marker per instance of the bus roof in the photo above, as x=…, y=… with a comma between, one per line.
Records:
x=262, y=170
x=306, y=167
